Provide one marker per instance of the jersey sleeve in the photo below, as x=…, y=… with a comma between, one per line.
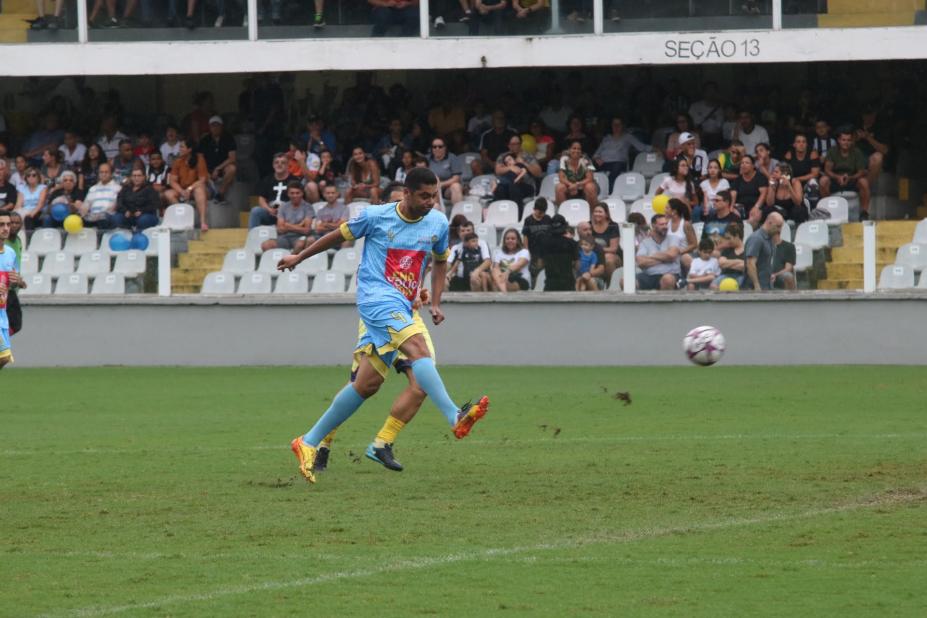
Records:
x=356, y=227
x=440, y=248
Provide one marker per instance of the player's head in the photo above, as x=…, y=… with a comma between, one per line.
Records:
x=5, y=225
x=421, y=191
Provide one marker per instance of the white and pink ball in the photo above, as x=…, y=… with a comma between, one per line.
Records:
x=704, y=345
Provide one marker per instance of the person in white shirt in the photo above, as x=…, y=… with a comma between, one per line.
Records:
x=710, y=187
x=170, y=148
x=510, y=264
x=72, y=151
x=750, y=133
x=100, y=204
x=110, y=137
x=705, y=268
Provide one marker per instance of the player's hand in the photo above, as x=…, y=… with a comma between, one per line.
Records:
x=437, y=316
x=288, y=262
x=423, y=295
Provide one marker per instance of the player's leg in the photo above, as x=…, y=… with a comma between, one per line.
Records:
x=461, y=418
x=6, y=353
x=345, y=403
x=403, y=410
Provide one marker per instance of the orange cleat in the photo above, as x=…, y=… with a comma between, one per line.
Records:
x=469, y=415
x=306, y=456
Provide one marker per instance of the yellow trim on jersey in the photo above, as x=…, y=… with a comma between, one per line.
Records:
x=443, y=256
x=346, y=232
x=403, y=217
x=8, y=353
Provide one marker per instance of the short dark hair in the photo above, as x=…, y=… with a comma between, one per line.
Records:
x=706, y=244
x=751, y=157
x=123, y=142
x=725, y=196
x=295, y=184
x=419, y=176
x=736, y=142
x=469, y=237
x=845, y=130
x=393, y=186
x=653, y=219
x=540, y=204
x=6, y=213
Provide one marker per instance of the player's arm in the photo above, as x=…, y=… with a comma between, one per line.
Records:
x=438, y=280
x=329, y=241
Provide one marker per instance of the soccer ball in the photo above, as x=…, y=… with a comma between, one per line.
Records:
x=704, y=345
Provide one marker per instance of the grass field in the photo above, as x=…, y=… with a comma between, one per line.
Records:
x=730, y=491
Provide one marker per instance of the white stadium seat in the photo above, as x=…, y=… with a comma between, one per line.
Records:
x=487, y=232
x=465, y=159
x=913, y=255
x=328, y=283
x=292, y=283
x=786, y=233
x=920, y=232
x=616, y=209
x=45, y=241
x=346, y=261
x=645, y=207
x=698, y=227
x=107, y=236
x=601, y=181
x=804, y=258
x=131, y=263
x=58, y=264
x=153, y=233
x=473, y=211
x=629, y=186
x=238, y=261
x=356, y=208
x=548, y=187
x=502, y=213
x=318, y=263
x=36, y=283
x=896, y=277
x=257, y=236
x=73, y=284
x=110, y=283
x=482, y=185
x=28, y=263
x=814, y=234
x=270, y=259
x=648, y=164
x=540, y=281
x=93, y=264
x=218, y=283
x=574, y=211
x=179, y=217
x=655, y=183
x=748, y=230
x=84, y=241
x=838, y=207
x=255, y=283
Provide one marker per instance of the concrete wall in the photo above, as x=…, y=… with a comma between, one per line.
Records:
x=525, y=329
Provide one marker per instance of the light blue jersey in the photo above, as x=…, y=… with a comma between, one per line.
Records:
x=395, y=252
x=8, y=265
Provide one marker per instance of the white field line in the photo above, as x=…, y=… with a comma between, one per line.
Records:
x=719, y=561
x=426, y=562
x=547, y=438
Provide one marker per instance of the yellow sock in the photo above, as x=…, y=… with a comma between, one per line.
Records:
x=327, y=440
x=387, y=435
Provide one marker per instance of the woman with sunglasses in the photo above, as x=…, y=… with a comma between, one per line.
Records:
x=31, y=199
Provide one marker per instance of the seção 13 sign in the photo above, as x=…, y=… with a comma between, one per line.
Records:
x=712, y=48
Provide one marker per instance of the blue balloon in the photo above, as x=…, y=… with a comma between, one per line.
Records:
x=119, y=242
x=139, y=241
x=59, y=211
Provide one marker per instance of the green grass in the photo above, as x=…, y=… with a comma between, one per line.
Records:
x=731, y=491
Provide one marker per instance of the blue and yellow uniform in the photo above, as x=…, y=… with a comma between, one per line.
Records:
x=7, y=265
x=390, y=276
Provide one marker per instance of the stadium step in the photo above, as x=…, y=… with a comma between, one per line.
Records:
x=13, y=25
x=874, y=6
x=204, y=256
x=844, y=271
x=865, y=20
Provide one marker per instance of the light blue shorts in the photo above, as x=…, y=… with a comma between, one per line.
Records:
x=388, y=325
x=5, y=350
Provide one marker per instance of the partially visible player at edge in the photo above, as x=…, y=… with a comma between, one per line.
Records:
x=9, y=276
x=398, y=238
x=407, y=403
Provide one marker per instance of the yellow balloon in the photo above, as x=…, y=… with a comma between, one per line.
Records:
x=659, y=203
x=73, y=224
x=528, y=143
x=728, y=284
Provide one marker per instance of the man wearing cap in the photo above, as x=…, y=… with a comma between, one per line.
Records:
x=694, y=156
x=612, y=154
x=218, y=148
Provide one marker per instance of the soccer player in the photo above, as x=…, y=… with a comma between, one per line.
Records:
x=407, y=403
x=9, y=276
x=398, y=238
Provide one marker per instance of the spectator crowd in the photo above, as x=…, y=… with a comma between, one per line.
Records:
x=726, y=163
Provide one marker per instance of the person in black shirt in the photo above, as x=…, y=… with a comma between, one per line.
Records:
x=749, y=190
x=157, y=174
x=218, y=149
x=8, y=192
x=721, y=218
x=271, y=193
x=535, y=231
x=871, y=139
x=560, y=252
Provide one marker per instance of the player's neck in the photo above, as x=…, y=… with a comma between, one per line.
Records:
x=406, y=212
